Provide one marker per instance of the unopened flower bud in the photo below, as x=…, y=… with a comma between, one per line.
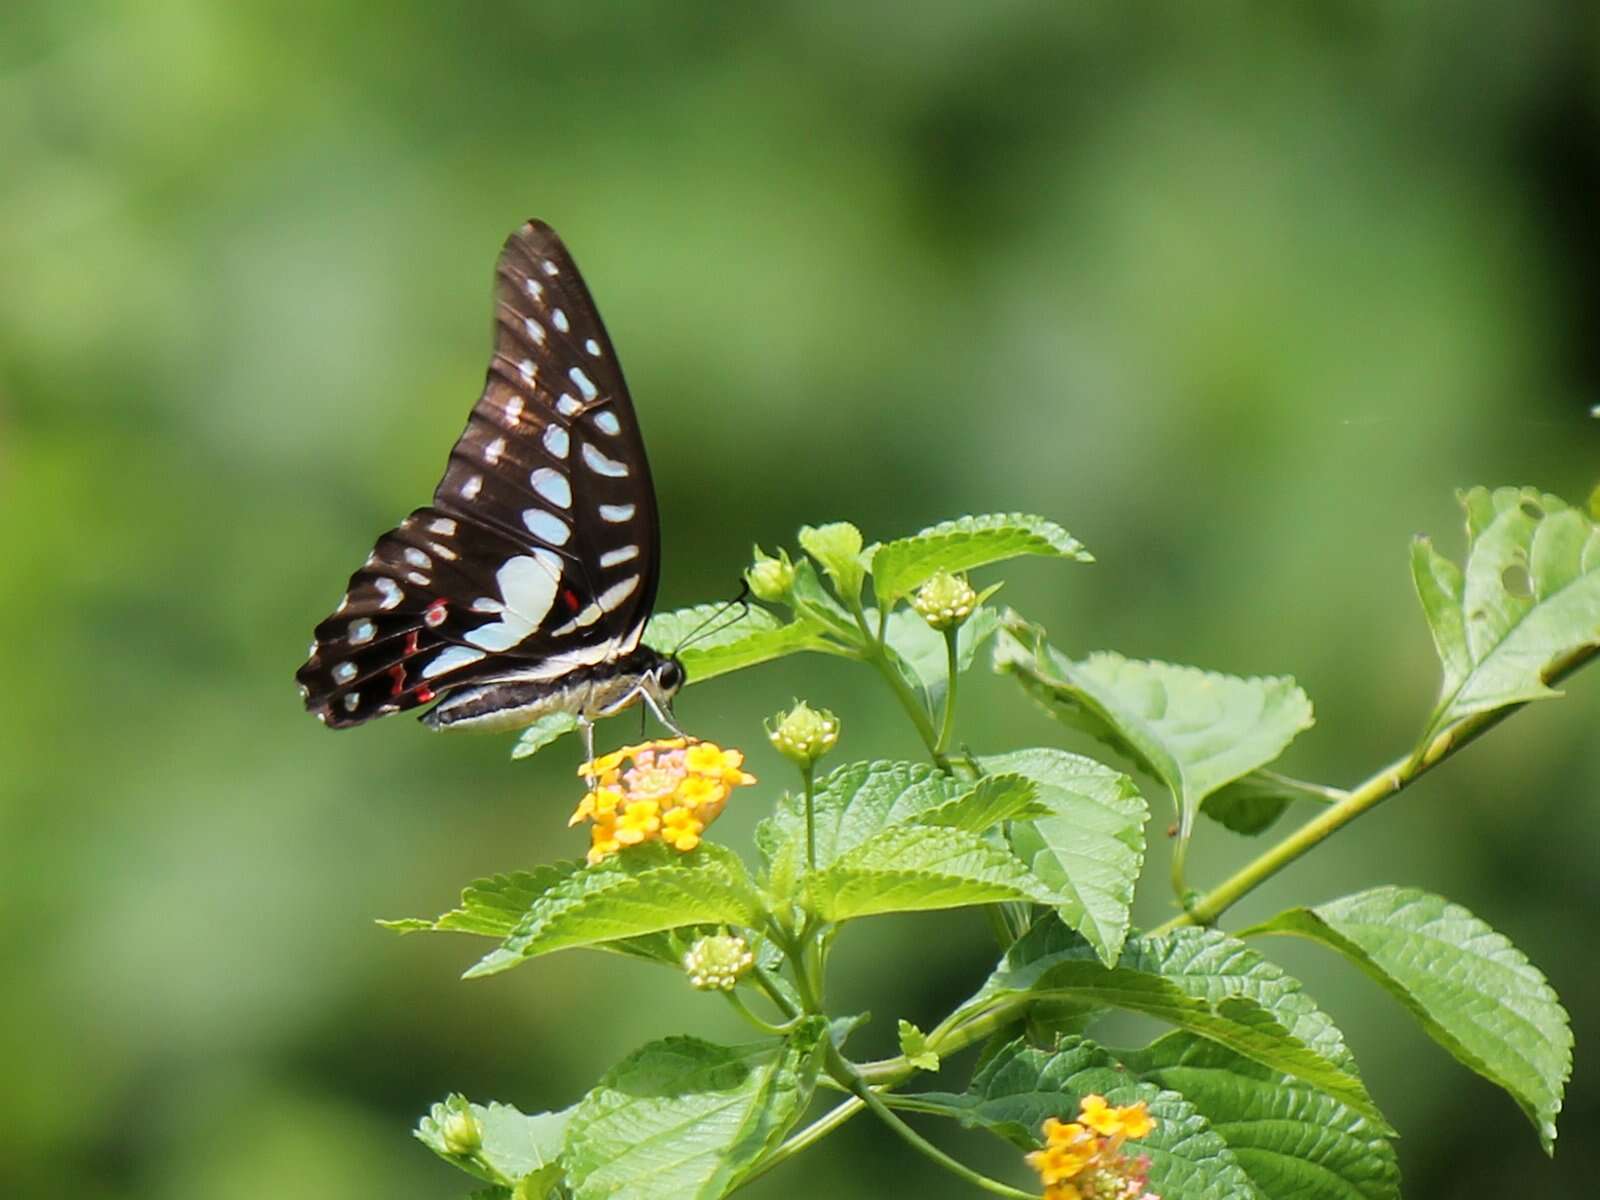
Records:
x=945, y=600
x=771, y=579
x=715, y=963
x=461, y=1132
x=803, y=734
x=837, y=549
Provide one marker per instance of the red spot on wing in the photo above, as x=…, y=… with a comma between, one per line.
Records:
x=570, y=597
x=398, y=674
x=424, y=694
x=435, y=614
x=411, y=644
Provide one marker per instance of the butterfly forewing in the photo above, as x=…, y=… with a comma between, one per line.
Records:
x=541, y=550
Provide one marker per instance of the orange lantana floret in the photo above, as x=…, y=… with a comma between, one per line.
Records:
x=667, y=790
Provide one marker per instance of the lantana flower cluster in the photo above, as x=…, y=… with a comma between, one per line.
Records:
x=1084, y=1160
x=667, y=790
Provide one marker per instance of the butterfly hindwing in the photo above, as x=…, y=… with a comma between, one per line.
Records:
x=541, y=550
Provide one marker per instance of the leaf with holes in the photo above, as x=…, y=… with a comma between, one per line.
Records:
x=1529, y=595
x=515, y=1148
x=1193, y=730
x=724, y=642
x=1089, y=848
x=1012, y=1094
x=912, y=868
x=1292, y=1140
x=685, y=1117
x=901, y=566
x=645, y=890
x=1473, y=991
x=1199, y=980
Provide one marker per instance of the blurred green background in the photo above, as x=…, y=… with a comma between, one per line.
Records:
x=1240, y=297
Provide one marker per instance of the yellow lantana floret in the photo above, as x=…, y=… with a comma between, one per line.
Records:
x=1132, y=1121
x=1085, y=1158
x=668, y=790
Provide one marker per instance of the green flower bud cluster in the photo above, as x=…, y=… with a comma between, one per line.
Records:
x=945, y=600
x=716, y=963
x=803, y=734
x=461, y=1132
x=771, y=579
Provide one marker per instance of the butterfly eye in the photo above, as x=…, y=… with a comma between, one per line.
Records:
x=669, y=675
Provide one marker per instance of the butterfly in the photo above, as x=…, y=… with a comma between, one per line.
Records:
x=524, y=588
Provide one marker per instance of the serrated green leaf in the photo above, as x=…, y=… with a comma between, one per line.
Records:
x=1196, y=979
x=1252, y=805
x=991, y=800
x=515, y=1145
x=494, y=906
x=685, y=1118
x=726, y=640
x=914, y=868
x=1473, y=991
x=1292, y=1140
x=914, y=1046
x=644, y=890
x=837, y=550
x=548, y=728
x=1020, y=1086
x=900, y=566
x=852, y=803
x=1529, y=594
x=1193, y=730
x=1090, y=848
x=920, y=649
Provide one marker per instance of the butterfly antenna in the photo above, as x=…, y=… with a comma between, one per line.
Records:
x=741, y=601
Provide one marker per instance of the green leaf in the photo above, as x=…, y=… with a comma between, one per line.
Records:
x=515, y=1146
x=852, y=803
x=914, y=1045
x=1530, y=594
x=1089, y=850
x=1251, y=805
x=494, y=906
x=686, y=1118
x=1020, y=1086
x=547, y=729
x=1292, y=1140
x=915, y=868
x=1473, y=991
x=898, y=567
x=837, y=549
x=643, y=890
x=1193, y=730
x=724, y=641
x=920, y=649
x=992, y=799
x=813, y=602
x=1196, y=979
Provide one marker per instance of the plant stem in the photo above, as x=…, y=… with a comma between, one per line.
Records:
x=814, y=1132
x=774, y=993
x=1374, y=791
x=948, y=728
x=739, y=1006
x=875, y=651
x=845, y=1074
x=808, y=775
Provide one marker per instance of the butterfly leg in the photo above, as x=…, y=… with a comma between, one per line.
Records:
x=586, y=726
x=662, y=713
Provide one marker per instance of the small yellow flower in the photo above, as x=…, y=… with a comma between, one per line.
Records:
x=1131, y=1121
x=605, y=764
x=707, y=758
x=603, y=841
x=639, y=820
x=681, y=829
x=699, y=792
x=598, y=804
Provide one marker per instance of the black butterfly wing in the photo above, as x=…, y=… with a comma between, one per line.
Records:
x=541, y=552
